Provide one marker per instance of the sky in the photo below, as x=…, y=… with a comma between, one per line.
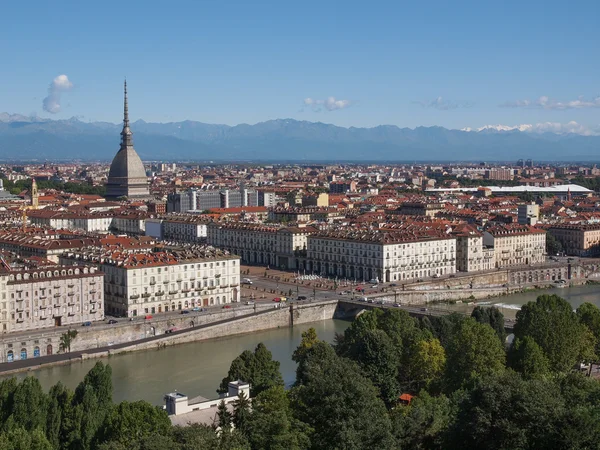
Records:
x=414, y=63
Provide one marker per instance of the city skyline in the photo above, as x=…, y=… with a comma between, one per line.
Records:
x=391, y=64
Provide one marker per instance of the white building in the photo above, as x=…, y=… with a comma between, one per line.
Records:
x=154, y=282
x=179, y=228
x=385, y=256
x=528, y=214
x=516, y=245
x=50, y=297
x=471, y=254
x=276, y=246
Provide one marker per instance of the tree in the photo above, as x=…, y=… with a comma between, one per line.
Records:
x=528, y=358
x=502, y=411
x=309, y=338
x=130, y=422
x=551, y=322
x=589, y=315
x=30, y=405
x=339, y=403
x=241, y=411
x=553, y=245
x=223, y=416
x=59, y=411
x=258, y=368
x=493, y=317
x=66, y=339
x=474, y=351
x=195, y=436
x=272, y=425
x=376, y=354
x=21, y=439
x=429, y=363
x=422, y=424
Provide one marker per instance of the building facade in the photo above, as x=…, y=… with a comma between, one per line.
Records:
x=155, y=282
x=516, y=245
x=578, y=239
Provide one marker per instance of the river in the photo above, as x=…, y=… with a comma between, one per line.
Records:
x=196, y=368
x=510, y=304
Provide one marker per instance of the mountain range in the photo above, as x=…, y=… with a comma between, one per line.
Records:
x=34, y=138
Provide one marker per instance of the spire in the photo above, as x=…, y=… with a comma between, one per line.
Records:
x=126, y=134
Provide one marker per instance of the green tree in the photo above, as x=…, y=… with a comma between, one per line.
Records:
x=473, y=352
x=223, y=416
x=502, y=411
x=551, y=322
x=309, y=338
x=422, y=424
x=528, y=358
x=553, y=245
x=493, y=317
x=589, y=315
x=272, y=425
x=339, y=403
x=59, y=411
x=241, y=411
x=258, y=368
x=429, y=363
x=130, y=422
x=376, y=354
x=30, y=405
x=195, y=437
x=21, y=439
x=66, y=339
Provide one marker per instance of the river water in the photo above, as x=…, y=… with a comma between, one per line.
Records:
x=510, y=304
x=196, y=368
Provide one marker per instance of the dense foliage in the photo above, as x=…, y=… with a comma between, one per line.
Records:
x=469, y=391
x=16, y=187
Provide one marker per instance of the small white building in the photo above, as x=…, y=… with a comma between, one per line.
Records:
x=183, y=410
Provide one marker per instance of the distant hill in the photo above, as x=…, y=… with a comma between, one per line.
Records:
x=26, y=138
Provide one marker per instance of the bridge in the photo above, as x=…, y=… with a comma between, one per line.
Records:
x=348, y=308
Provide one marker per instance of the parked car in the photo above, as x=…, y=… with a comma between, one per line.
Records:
x=226, y=306
x=170, y=330
x=185, y=311
x=87, y=324
x=277, y=299
x=302, y=297
x=397, y=305
x=249, y=303
x=148, y=317
x=112, y=321
x=423, y=309
x=246, y=281
x=393, y=285
x=196, y=308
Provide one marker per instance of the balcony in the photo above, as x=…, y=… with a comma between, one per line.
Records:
x=43, y=307
x=71, y=294
x=93, y=311
x=146, y=295
x=92, y=302
x=56, y=295
x=159, y=294
x=93, y=291
x=173, y=292
x=20, y=310
x=134, y=297
x=70, y=286
x=71, y=314
x=43, y=318
x=70, y=304
x=20, y=320
x=92, y=282
x=166, y=282
x=152, y=283
x=185, y=290
x=57, y=306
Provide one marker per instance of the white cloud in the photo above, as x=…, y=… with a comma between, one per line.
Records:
x=330, y=103
x=543, y=127
x=59, y=85
x=443, y=105
x=545, y=102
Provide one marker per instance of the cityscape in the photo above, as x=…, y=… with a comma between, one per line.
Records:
x=322, y=281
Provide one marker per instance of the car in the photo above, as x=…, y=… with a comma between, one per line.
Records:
x=249, y=302
x=112, y=321
x=363, y=299
x=246, y=281
x=423, y=309
x=397, y=305
x=170, y=330
x=87, y=324
x=371, y=300
x=185, y=311
x=393, y=285
x=374, y=285
x=302, y=297
x=196, y=308
x=226, y=306
x=420, y=280
x=148, y=317
x=277, y=299
x=437, y=275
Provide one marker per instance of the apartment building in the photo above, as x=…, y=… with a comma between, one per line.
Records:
x=47, y=297
x=341, y=187
x=48, y=246
x=471, y=254
x=276, y=246
x=154, y=282
x=183, y=228
x=578, y=239
x=85, y=221
x=516, y=245
x=386, y=256
x=528, y=214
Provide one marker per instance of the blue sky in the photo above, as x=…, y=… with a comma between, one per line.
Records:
x=452, y=64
